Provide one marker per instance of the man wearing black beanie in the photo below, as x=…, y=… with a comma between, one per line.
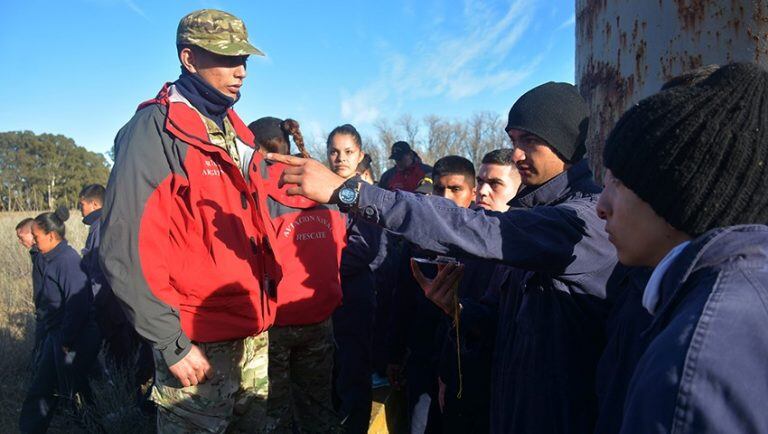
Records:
x=553, y=114
x=685, y=193
x=550, y=314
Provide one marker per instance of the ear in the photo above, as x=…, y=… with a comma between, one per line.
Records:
x=188, y=59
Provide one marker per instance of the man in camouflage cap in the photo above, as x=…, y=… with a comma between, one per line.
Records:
x=215, y=31
x=186, y=238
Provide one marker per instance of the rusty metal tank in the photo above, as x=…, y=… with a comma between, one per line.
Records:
x=627, y=49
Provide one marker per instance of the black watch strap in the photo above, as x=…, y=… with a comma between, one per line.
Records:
x=354, y=184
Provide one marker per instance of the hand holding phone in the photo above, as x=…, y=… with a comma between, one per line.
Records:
x=430, y=267
x=441, y=289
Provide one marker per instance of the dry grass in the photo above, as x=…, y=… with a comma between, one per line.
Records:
x=17, y=314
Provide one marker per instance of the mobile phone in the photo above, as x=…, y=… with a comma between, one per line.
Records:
x=430, y=267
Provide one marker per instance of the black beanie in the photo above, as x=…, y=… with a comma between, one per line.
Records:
x=698, y=154
x=556, y=113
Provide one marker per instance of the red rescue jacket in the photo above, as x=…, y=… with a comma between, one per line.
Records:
x=408, y=179
x=310, y=238
x=186, y=239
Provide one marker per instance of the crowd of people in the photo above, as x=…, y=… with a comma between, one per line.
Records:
x=76, y=317
x=519, y=296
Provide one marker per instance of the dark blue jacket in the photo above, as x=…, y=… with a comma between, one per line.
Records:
x=63, y=297
x=706, y=366
x=363, y=249
x=90, y=253
x=624, y=328
x=480, y=317
x=109, y=313
x=37, y=283
x=469, y=412
x=551, y=327
x=472, y=289
x=414, y=326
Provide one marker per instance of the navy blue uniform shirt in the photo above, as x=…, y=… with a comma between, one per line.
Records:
x=551, y=325
x=704, y=369
x=63, y=297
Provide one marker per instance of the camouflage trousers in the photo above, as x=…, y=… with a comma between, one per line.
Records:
x=234, y=400
x=300, y=369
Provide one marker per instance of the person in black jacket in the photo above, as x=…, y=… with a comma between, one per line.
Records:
x=125, y=349
x=417, y=331
x=353, y=321
x=27, y=240
x=465, y=383
x=70, y=336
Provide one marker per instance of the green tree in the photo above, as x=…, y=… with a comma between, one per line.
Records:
x=46, y=170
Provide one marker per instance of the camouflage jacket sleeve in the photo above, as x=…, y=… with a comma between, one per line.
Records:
x=137, y=198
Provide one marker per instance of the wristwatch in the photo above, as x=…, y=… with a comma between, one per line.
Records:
x=348, y=194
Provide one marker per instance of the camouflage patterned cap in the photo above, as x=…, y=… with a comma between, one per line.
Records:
x=216, y=31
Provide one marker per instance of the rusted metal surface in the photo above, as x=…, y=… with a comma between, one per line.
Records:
x=626, y=49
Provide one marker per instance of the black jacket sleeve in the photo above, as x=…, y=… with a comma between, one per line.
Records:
x=565, y=239
x=363, y=247
x=398, y=322
x=76, y=299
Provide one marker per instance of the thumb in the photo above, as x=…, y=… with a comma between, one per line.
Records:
x=423, y=282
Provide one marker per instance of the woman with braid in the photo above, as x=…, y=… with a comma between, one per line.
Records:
x=310, y=240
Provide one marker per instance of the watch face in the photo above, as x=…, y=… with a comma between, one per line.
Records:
x=347, y=195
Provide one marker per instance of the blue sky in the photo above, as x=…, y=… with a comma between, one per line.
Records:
x=80, y=67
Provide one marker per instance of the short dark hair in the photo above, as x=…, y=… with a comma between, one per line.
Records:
x=94, y=192
x=501, y=157
x=454, y=165
x=54, y=221
x=181, y=47
x=25, y=222
x=346, y=129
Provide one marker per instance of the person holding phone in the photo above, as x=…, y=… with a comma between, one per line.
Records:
x=466, y=356
x=417, y=327
x=551, y=319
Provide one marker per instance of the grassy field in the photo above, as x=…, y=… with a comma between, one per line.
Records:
x=16, y=344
